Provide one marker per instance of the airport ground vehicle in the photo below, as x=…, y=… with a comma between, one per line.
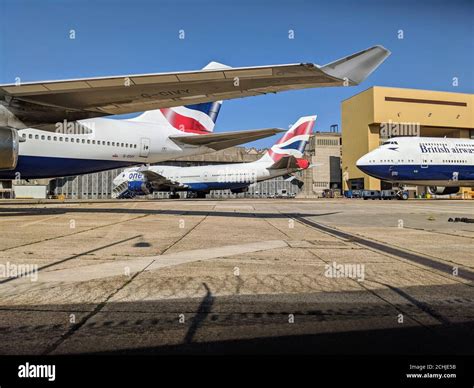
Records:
x=371, y=194
x=385, y=194
x=353, y=194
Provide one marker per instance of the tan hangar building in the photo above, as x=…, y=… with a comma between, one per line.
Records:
x=432, y=113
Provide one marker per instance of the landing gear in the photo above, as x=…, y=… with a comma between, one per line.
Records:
x=401, y=193
x=196, y=194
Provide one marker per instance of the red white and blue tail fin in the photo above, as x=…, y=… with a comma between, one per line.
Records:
x=293, y=141
x=198, y=118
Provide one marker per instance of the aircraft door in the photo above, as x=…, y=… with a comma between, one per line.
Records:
x=394, y=168
x=144, y=147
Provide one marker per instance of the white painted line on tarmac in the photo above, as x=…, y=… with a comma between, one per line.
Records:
x=129, y=267
x=39, y=221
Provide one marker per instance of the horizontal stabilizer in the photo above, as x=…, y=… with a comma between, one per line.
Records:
x=285, y=163
x=220, y=141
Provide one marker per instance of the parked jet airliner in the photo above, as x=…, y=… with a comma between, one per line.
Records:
x=283, y=159
x=35, y=118
x=154, y=136
x=442, y=164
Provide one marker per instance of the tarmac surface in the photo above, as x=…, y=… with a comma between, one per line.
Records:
x=274, y=276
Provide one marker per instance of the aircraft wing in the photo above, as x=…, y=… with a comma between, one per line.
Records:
x=42, y=104
x=222, y=140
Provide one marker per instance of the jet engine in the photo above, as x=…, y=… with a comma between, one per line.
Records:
x=441, y=190
x=8, y=148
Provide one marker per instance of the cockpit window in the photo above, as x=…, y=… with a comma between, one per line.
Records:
x=389, y=142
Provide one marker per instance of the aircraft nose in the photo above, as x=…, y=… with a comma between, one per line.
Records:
x=363, y=163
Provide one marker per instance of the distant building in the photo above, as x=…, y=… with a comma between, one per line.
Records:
x=324, y=152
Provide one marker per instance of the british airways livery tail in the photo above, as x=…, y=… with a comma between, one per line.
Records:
x=293, y=142
x=196, y=118
x=199, y=118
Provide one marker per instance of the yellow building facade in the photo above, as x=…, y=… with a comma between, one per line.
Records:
x=367, y=115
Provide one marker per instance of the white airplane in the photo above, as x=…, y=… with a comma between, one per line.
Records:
x=283, y=159
x=62, y=133
x=442, y=164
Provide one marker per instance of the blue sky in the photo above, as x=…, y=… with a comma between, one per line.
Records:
x=126, y=37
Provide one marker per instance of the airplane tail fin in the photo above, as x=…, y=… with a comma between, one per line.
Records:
x=292, y=143
x=197, y=118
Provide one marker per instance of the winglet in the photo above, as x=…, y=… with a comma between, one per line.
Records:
x=357, y=67
x=216, y=66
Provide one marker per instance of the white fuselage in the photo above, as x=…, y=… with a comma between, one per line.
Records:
x=429, y=161
x=102, y=144
x=206, y=178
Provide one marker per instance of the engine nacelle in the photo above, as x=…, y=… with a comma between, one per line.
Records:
x=140, y=187
x=8, y=148
x=240, y=190
x=441, y=190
